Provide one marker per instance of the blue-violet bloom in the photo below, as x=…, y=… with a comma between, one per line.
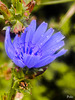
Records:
x=35, y=48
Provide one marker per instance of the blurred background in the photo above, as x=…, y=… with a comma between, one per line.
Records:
x=58, y=81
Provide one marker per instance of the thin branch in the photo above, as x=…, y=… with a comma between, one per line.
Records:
x=68, y=15
x=55, y=2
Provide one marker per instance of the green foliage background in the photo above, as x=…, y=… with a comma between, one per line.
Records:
x=58, y=80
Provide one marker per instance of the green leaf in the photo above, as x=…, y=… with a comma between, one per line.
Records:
x=27, y=1
x=17, y=6
x=5, y=11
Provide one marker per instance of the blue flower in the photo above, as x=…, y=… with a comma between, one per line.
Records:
x=35, y=48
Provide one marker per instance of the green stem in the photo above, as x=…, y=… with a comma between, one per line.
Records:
x=55, y=2
x=68, y=15
x=12, y=91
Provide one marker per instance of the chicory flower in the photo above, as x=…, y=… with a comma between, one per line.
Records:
x=35, y=48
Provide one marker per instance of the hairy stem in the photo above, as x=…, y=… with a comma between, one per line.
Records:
x=12, y=91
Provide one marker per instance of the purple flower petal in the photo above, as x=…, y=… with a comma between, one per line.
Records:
x=30, y=60
x=40, y=30
x=45, y=61
x=8, y=45
x=57, y=37
x=43, y=39
x=48, y=59
x=18, y=62
x=52, y=49
x=61, y=52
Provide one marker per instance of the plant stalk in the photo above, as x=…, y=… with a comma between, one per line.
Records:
x=55, y=2
x=12, y=91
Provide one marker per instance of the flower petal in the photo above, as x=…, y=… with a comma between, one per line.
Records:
x=57, y=37
x=43, y=39
x=30, y=60
x=30, y=31
x=18, y=62
x=8, y=45
x=45, y=61
x=61, y=52
x=33, y=25
x=40, y=30
x=19, y=43
x=53, y=49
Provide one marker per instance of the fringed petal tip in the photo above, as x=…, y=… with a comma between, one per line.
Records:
x=61, y=52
